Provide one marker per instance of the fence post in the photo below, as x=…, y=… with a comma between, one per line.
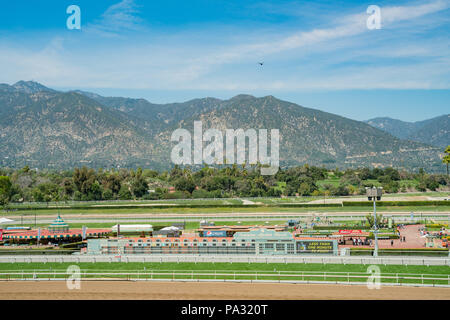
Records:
x=348, y=277
x=397, y=277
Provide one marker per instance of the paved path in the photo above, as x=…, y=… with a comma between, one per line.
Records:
x=412, y=237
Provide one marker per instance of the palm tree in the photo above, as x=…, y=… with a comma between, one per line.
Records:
x=446, y=158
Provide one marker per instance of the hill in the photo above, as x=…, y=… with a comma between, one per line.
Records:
x=434, y=131
x=42, y=127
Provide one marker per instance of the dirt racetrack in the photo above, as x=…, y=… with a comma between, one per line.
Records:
x=106, y=290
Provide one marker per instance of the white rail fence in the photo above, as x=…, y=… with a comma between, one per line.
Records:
x=178, y=258
x=396, y=279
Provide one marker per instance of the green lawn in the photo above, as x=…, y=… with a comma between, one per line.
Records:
x=334, y=182
x=190, y=225
x=120, y=266
x=244, y=271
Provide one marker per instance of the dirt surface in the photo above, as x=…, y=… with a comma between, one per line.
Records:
x=12, y=290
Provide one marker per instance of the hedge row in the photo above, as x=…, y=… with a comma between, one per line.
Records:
x=148, y=207
x=36, y=252
x=395, y=203
x=390, y=236
x=435, y=225
x=306, y=205
x=187, y=206
x=339, y=228
x=275, y=205
x=400, y=252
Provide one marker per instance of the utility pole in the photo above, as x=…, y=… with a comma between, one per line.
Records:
x=374, y=194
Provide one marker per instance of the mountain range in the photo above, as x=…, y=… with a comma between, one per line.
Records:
x=434, y=131
x=42, y=127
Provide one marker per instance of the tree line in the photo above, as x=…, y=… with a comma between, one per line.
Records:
x=87, y=184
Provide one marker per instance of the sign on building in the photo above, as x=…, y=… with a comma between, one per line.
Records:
x=315, y=246
x=215, y=233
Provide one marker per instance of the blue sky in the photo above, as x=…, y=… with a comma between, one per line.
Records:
x=319, y=54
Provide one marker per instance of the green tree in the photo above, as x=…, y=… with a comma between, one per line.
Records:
x=83, y=179
x=95, y=192
x=185, y=184
x=112, y=182
x=5, y=186
x=446, y=158
x=107, y=194
x=381, y=222
x=125, y=193
x=138, y=185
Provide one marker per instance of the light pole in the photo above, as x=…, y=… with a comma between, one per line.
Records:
x=374, y=194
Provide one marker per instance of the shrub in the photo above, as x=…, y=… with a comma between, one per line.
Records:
x=199, y=194
x=176, y=195
x=395, y=203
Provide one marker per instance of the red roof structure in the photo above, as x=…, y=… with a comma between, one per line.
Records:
x=45, y=234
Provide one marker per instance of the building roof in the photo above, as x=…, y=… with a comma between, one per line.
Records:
x=263, y=234
x=45, y=234
x=59, y=222
x=237, y=228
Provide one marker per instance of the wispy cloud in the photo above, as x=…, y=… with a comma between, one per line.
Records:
x=118, y=18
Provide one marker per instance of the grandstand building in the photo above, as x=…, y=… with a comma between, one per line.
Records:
x=259, y=242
